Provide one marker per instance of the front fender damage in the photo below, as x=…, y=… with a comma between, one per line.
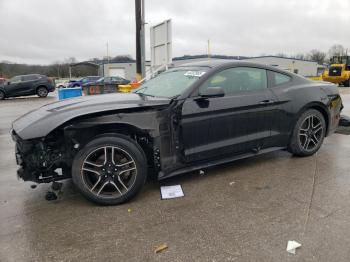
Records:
x=50, y=158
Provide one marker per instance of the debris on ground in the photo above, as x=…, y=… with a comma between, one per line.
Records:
x=56, y=192
x=50, y=196
x=201, y=172
x=160, y=248
x=292, y=246
x=129, y=210
x=232, y=183
x=168, y=192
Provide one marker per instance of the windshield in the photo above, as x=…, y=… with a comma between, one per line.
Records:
x=171, y=83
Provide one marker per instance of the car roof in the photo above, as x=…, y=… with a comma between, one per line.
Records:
x=220, y=63
x=28, y=75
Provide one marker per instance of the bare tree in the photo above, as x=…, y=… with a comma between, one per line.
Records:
x=318, y=56
x=300, y=56
x=122, y=58
x=336, y=50
x=281, y=55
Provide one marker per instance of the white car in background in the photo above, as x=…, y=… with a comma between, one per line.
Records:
x=61, y=84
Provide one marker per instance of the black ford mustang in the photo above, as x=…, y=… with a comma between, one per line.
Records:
x=187, y=118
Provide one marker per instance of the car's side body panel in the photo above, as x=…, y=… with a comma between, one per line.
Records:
x=51, y=116
x=27, y=86
x=187, y=132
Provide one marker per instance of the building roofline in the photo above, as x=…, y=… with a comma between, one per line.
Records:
x=222, y=57
x=282, y=57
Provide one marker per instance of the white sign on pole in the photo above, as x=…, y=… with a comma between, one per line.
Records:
x=161, y=44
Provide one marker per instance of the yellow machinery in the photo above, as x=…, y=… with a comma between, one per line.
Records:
x=128, y=88
x=315, y=78
x=339, y=71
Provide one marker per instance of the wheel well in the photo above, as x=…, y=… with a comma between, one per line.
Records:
x=41, y=86
x=142, y=138
x=323, y=112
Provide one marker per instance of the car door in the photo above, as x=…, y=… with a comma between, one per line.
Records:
x=236, y=123
x=13, y=87
x=27, y=85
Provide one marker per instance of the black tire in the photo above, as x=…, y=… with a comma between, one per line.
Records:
x=2, y=95
x=42, y=91
x=306, y=140
x=347, y=83
x=109, y=179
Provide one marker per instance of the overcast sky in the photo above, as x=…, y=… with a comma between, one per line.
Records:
x=45, y=31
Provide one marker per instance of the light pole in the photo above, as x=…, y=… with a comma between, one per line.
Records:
x=140, y=39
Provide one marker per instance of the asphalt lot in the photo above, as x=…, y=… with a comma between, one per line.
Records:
x=244, y=211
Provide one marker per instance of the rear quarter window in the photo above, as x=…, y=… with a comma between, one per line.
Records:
x=280, y=79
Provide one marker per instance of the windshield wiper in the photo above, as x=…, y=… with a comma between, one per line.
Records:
x=143, y=88
x=143, y=94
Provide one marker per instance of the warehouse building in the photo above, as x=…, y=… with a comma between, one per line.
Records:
x=303, y=67
x=126, y=70
x=298, y=66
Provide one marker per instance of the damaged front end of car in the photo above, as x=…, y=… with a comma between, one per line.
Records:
x=42, y=160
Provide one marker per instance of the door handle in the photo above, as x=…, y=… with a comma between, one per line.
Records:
x=267, y=102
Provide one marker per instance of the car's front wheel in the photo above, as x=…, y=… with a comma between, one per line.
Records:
x=308, y=133
x=110, y=170
x=42, y=91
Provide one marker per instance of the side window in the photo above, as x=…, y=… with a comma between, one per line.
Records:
x=15, y=80
x=279, y=79
x=29, y=78
x=238, y=79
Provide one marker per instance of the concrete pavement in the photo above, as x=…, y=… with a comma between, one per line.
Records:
x=244, y=211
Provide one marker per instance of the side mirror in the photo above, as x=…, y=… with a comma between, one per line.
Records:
x=213, y=92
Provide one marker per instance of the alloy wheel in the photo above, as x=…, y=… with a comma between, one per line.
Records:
x=311, y=132
x=109, y=172
x=42, y=92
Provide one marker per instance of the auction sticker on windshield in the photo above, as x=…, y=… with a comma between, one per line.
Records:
x=194, y=73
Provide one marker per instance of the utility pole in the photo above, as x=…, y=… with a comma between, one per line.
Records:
x=140, y=39
x=107, y=52
x=209, y=54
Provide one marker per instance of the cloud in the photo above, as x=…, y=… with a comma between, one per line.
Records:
x=41, y=31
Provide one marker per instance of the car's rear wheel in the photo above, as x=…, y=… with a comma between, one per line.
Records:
x=110, y=170
x=347, y=83
x=42, y=91
x=2, y=95
x=308, y=133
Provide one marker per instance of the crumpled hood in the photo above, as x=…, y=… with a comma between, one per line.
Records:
x=40, y=122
